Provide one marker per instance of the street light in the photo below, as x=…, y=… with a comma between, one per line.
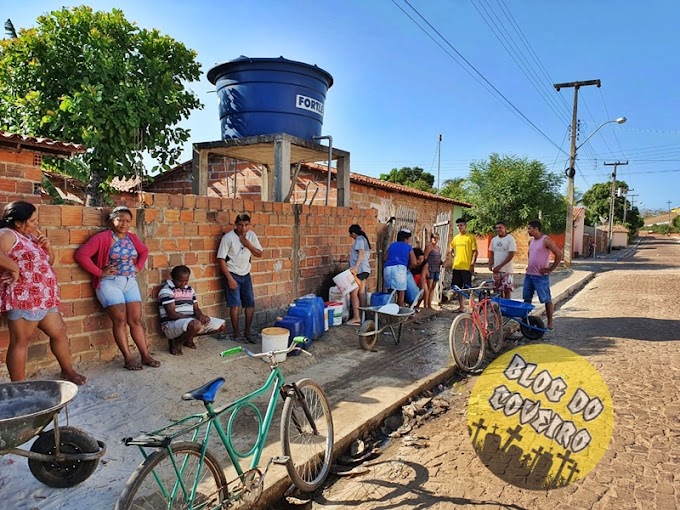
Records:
x=571, y=172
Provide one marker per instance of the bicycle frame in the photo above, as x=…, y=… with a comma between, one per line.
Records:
x=209, y=420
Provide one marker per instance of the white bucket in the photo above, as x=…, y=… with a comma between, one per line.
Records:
x=275, y=339
x=334, y=295
x=346, y=281
x=335, y=313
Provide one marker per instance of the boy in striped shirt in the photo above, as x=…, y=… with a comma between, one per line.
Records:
x=181, y=318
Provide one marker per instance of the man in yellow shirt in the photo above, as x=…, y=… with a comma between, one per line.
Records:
x=464, y=252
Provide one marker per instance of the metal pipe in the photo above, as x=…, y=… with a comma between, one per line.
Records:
x=330, y=160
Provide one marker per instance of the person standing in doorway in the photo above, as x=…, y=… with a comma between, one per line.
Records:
x=464, y=252
x=539, y=267
x=501, y=252
x=433, y=256
x=233, y=258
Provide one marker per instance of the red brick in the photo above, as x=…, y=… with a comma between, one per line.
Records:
x=71, y=215
x=65, y=255
x=25, y=187
x=57, y=236
x=8, y=186
x=171, y=215
x=78, y=236
x=69, y=291
x=93, y=217
x=49, y=215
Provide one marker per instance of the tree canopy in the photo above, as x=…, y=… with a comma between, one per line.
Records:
x=97, y=79
x=414, y=177
x=597, y=201
x=514, y=190
x=455, y=189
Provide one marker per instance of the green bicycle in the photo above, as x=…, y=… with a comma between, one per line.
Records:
x=187, y=475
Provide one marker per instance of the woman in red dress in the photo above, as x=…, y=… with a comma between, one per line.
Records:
x=28, y=291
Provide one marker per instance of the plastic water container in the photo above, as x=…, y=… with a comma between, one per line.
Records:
x=307, y=315
x=335, y=313
x=380, y=298
x=295, y=325
x=275, y=339
x=334, y=295
x=317, y=306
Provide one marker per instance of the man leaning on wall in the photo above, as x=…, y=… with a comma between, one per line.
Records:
x=234, y=260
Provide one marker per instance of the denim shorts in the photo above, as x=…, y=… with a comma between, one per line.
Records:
x=118, y=290
x=30, y=315
x=538, y=283
x=434, y=276
x=243, y=295
x=395, y=277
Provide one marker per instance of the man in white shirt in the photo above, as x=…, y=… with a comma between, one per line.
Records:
x=233, y=259
x=501, y=252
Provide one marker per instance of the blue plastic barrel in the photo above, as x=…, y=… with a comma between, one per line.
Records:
x=307, y=315
x=380, y=298
x=317, y=312
x=296, y=327
x=260, y=96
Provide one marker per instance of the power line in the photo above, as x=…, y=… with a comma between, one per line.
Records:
x=507, y=101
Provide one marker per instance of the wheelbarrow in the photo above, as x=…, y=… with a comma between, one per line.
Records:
x=61, y=457
x=391, y=316
x=532, y=327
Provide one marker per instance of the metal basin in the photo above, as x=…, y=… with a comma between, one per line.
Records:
x=27, y=407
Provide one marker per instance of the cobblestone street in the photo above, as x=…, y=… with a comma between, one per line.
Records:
x=625, y=323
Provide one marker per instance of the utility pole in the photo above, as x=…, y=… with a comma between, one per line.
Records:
x=611, y=203
x=669, y=213
x=439, y=161
x=625, y=202
x=571, y=171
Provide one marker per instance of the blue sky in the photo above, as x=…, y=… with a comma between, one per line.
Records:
x=395, y=89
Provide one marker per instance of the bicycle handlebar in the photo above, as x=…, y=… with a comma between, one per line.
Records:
x=268, y=354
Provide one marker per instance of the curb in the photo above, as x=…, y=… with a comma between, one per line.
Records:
x=277, y=490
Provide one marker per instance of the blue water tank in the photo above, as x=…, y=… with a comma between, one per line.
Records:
x=307, y=315
x=260, y=96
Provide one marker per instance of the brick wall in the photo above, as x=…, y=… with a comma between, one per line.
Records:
x=183, y=229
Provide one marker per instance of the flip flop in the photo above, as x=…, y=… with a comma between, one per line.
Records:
x=153, y=363
x=354, y=323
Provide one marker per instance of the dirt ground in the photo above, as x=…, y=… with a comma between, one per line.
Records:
x=625, y=323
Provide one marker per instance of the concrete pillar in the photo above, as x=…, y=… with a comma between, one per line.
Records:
x=199, y=172
x=343, y=181
x=281, y=169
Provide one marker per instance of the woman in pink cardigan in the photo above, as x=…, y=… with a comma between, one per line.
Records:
x=114, y=257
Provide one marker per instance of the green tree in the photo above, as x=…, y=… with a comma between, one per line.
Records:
x=454, y=188
x=516, y=191
x=414, y=177
x=597, y=201
x=97, y=79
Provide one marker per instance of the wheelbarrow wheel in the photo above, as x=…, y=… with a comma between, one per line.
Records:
x=69, y=472
x=533, y=334
x=366, y=339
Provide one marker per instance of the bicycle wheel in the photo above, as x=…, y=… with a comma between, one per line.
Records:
x=465, y=343
x=155, y=485
x=310, y=454
x=494, y=328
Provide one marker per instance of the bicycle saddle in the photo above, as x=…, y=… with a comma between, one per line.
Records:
x=205, y=393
